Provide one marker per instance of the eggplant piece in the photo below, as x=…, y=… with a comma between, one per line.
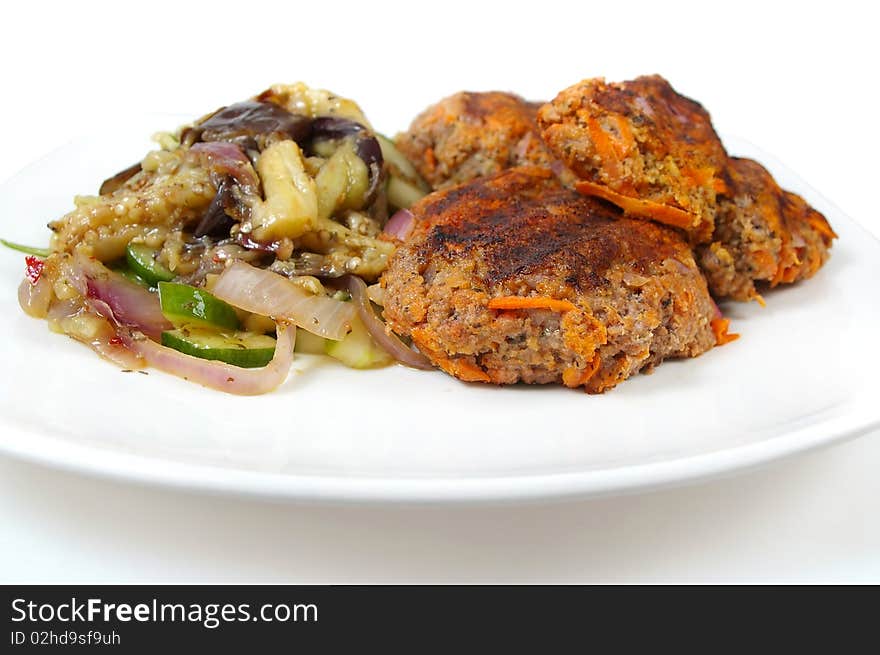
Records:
x=370, y=152
x=366, y=146
x=215, y=222
x=111, y=184
x=251, y=125
x=333, y=127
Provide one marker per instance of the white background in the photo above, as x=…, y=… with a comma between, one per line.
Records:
x=797, y=80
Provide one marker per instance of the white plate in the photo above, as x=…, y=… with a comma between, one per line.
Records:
x=803, y=375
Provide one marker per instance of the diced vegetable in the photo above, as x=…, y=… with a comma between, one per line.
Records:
x=306, y=342
x=244, y=349
x=342, y=182
x=291, y=206
x=141, y=259
x=189, y=306
x=357, y=349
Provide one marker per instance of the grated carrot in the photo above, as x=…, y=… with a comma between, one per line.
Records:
x=640, y=208
x=464, y=370
x=531, y=302
x=818, y=223
x=573, y=377
x=605, y=148
x=720, y=327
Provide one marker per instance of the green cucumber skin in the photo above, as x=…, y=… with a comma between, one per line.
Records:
x=185, y=305
x=141, y=260
x=122, y=268
x=131, y=276
x=189, y=343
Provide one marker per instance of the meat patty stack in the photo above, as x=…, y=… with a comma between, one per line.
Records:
x=582, y=240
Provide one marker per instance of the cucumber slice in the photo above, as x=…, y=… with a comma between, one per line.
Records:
x=357, y=349
x=244, y=349
x=120, y=266
x=142, y=260
x=131, y=276
x=309, y=343
x=189, y=306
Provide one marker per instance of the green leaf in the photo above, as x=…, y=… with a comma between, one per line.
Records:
x=28, y=250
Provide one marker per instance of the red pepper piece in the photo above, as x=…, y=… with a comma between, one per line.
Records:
x=33, y=268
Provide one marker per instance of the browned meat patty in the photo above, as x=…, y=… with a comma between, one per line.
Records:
x=762, y=234
x=642, y=146
x=515, y=278
x=469, y=135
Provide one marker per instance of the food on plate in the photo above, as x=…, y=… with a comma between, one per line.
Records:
x=515, y=278
x=469, y=135
x=651, y=151
x=578, y=241
x=208, y=256
x=762, y=234
x=642, y=146
x=295, y=175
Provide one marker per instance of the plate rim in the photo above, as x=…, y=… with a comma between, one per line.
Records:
x=859, y=418
x=850, y=420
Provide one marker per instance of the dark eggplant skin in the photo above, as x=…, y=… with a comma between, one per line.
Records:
x=215, y=222
x=369, y=150
x=253, y=125
x=333, y=127
x=366, y=146
x=250, y=123
x=111, y=184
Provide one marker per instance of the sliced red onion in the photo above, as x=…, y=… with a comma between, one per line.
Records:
x=215, y=374
x=400, y=225
x=117, y=353
x=109, y=347
x=263, y=292
x=391, y=343
x=129, y=304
